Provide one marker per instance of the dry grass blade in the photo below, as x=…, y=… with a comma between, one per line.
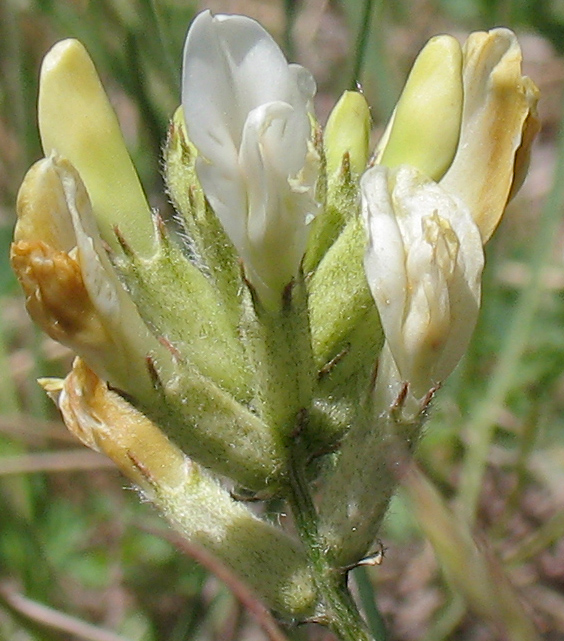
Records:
x=31, y=429
x=54, y=619
x=63, y=461
x=474, y=572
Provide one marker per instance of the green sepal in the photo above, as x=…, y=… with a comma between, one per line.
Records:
x=185, y=312
x=278, y=346
x=208, y=244
x=346, y=333
x=342, y=201
x=212, y=428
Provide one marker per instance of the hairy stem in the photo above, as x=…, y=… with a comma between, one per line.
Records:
x=337, y=610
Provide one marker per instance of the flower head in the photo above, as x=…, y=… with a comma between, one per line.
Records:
x=247, y=114
x=190, y=386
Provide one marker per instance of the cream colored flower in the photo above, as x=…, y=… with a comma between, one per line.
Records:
x=72, y=290
x=424, y=264
x=247, y=113
x=465, y=120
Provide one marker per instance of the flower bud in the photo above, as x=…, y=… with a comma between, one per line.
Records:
x=348, y=132
x=425, y=126
x=76, y=121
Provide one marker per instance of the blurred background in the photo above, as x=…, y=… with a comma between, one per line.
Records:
x=82, y=559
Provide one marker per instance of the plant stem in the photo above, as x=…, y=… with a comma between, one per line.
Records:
x=337, y=610
x=290, y=9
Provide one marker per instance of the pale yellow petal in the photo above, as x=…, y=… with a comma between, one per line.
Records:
x=348, y=132
x=425, y=126
x=104, y=421
x=77, y=121
x=498, y=126
x=42, y=208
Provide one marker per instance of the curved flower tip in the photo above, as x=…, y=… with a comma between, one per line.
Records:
x=423, y=263
x=76, y=121
x=246, y=111
x=499, y=124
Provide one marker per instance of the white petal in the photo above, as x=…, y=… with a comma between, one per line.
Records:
x=130, y=338
x=384, y=262
x=278, y=208
x=436, y=271
x=231, y=66
x=246, y=111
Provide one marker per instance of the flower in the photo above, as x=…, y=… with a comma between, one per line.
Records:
x=476, y=113
x=72, y=290
x=247, y=113
x=195, y=502
x=197, y=379
x=424, y=257
x=424, y=263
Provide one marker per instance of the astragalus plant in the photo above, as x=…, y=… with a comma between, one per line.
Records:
x=283, y=337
